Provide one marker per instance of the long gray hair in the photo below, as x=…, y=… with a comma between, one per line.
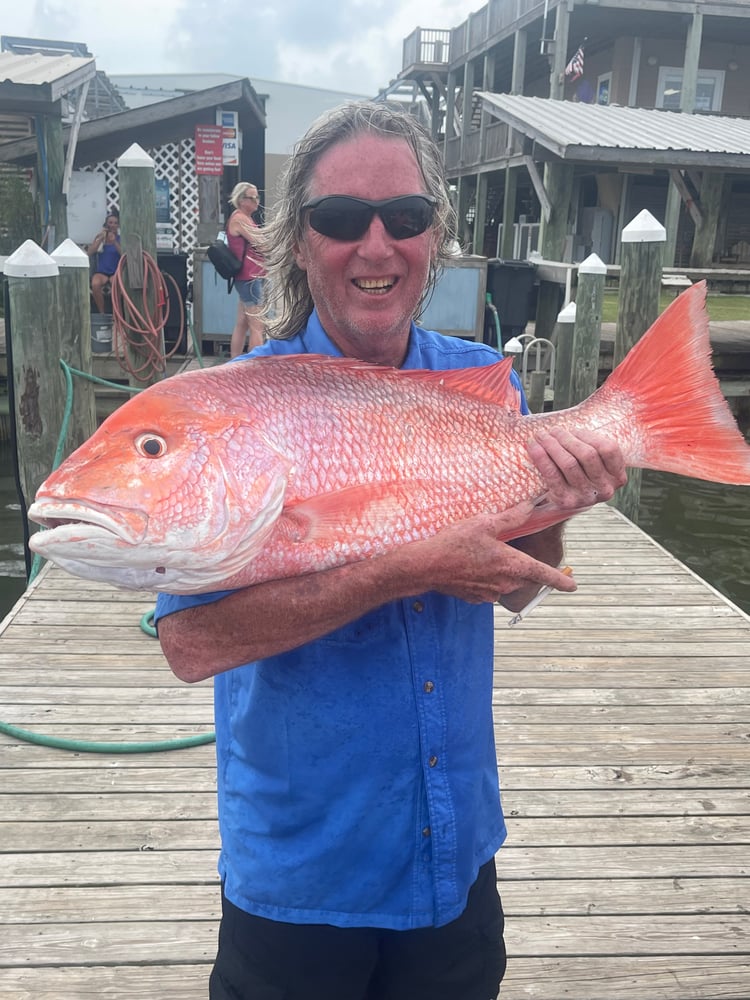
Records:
x=291, y=299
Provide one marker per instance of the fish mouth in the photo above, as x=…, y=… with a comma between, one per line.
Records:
x=83, y=521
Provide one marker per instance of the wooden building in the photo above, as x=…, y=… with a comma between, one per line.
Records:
x=676, y=60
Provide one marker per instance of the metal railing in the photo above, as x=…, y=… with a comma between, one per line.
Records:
x=427, y=45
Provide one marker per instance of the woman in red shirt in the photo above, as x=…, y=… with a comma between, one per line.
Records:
x=242, y=237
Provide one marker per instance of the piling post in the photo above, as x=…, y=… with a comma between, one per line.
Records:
x=535, y=396
x=34, y=351
x=588, y=328
x=145, y=348
x=642, y=255
x=563, y=340
x=75, y=338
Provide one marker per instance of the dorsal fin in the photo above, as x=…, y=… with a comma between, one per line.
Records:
x=490, y=384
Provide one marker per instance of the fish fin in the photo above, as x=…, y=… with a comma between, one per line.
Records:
x=369, y=508
x=489, y=384
x=541, y=518
x=687, y=425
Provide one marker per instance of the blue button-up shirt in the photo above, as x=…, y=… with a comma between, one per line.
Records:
x=357, y=775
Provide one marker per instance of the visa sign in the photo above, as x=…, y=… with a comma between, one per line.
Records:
x=229, y=121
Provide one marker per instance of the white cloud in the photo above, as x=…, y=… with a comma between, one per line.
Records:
x=353, y=46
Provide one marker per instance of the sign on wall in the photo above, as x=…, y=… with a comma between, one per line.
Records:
x=229, y=121
x=209, y=152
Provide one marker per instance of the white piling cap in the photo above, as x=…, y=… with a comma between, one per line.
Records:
x=30, y=261
x=644, y=229
x=135, y=156
x=69, y=254
x=567, y=314
x=513, y=346
x=592, y=265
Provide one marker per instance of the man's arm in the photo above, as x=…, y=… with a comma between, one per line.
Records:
x=467, y=561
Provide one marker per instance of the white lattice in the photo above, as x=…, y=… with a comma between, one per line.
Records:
x=174, y=162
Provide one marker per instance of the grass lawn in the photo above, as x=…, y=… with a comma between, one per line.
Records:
x=721, y=308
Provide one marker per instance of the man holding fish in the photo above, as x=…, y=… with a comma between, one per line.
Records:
x=358, y=799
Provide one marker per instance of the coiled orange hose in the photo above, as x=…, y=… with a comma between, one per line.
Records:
x=137, y=328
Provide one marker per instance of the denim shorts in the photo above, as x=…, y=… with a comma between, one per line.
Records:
x=250, y=292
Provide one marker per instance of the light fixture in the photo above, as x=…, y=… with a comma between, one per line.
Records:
x=652, y=60
x=732, y=65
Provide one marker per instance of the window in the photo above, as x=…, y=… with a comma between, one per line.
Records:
x=603, y=86
x=708, y=94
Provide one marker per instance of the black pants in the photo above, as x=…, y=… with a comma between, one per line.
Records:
x=261, y=959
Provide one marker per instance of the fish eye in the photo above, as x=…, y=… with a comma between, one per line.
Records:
x=151, y=445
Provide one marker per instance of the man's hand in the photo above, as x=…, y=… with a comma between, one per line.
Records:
x=579, y=469
x=467, y=560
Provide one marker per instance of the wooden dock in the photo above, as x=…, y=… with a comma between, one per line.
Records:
x=623, y=731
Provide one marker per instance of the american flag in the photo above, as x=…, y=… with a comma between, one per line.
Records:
x=574, y=69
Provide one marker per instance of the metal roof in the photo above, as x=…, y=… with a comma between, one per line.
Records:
x=34, y=83
x=167, y=121
x=625, y=136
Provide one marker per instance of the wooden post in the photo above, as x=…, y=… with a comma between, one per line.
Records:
x=588, y=328
x=480, y=216
x=75, y=337
x=563, y=340
x=704, y=239
x=51, y=167
x=464, y=196
x=509, y=212
x=638, y=306
x=535, y=397
x=209, y=208
x=558, y=183
x=34, y=356
x=138, y=235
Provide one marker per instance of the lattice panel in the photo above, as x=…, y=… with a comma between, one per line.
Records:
x=174, y=162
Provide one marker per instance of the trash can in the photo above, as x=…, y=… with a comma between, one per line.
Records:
x=174, y=265
x=511, y=285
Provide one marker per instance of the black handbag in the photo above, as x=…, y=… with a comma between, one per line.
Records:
x=225, y=262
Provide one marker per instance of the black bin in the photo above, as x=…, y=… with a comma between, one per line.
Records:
x=175, y=266
x=511, y=285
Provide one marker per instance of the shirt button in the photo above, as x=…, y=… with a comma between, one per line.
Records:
x=429, y=687
x=418, y=606
x=432, y=761
x=426, y=832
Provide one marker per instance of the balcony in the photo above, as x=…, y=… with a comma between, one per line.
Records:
x=427, y=48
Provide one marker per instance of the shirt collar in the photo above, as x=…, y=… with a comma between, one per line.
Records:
x=317, y=341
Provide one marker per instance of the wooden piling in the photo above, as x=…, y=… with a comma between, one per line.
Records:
x=145, y=349
x=557, y=188
x=535, y=396
x=75, y=338
x=33, y=343
x=588, y=328
x=643, y=242
x=53, y=203
x=562, y=338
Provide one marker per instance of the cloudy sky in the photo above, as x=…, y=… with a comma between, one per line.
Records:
x=348, y=45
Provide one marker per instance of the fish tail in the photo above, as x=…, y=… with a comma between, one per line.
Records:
x=684, y=423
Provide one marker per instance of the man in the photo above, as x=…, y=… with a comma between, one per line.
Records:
x=358, y=799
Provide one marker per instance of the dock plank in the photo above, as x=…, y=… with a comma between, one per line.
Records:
x=622, y=728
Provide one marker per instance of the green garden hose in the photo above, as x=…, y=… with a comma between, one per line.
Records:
x=147, y=626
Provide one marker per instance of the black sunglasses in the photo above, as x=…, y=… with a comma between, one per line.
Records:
x=341, y=217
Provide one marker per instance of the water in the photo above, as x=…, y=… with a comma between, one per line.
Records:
x=12, y=562
x=704, y=525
